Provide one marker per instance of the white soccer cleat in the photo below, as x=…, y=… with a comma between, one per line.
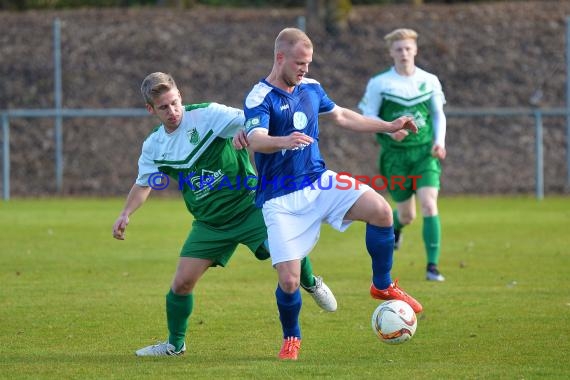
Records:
x=322, y=295
x=432, y=274
x=161, y=349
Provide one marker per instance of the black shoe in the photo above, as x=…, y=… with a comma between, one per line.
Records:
x=432, y=274
x=397, y=239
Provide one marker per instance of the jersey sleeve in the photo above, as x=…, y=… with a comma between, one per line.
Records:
x=326, y=104
x=257, y=118
x=225, y=121
x=438, y=116
x=437, y=89
x=256, y=108
x=146, y=164
x=370, y=103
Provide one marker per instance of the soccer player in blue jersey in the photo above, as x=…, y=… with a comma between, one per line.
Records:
x=193, y=146
x=296, y=190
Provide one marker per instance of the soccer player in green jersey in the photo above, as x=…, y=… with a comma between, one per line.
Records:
x=406, y=89
x=193, y=145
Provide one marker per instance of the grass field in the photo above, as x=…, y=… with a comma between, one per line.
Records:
x=75, y=303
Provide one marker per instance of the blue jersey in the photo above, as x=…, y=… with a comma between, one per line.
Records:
x=282, y=113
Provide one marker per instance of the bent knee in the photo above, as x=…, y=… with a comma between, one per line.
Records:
x=289, y=284
x=406, y=218
x=381, y=214
x=429, y=209
x=182, y=287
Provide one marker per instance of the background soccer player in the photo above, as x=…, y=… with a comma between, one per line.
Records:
x=193, y=140
x=405, y=89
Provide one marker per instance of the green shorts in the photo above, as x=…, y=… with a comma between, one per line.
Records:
x=219, y=244
x=408, y=169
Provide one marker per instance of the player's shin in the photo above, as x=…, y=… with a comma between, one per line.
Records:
x=289, y=306
x=380, y=246
x=432, y=238
x=178, y=310
x=307, y=277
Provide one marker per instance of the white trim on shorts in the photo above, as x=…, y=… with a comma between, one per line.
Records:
x=294, y=220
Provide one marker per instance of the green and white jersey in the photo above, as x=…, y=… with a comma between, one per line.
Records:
x=216, y=181
x=390, y=95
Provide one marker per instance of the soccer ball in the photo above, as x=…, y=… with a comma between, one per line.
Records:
x=394, y=322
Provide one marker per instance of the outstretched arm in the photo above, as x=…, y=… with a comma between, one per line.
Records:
x=354, y=121
x=137, y=196
x=260, y=141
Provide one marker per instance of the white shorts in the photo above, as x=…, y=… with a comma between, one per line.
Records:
x=294, y=220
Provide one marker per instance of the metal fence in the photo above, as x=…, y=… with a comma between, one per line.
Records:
x=59, y=114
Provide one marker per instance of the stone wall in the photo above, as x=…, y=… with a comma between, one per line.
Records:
x=486, y=55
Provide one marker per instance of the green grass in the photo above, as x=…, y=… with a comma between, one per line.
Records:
x=75, y=303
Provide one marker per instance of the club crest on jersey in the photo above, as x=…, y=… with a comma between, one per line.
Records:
x=299, y=120
x=422, y=87
x=193, y=136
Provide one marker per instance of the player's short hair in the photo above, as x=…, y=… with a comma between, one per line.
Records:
x=400, y=34
x=289, y=37
x=156, y=84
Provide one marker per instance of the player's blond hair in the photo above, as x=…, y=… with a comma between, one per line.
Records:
x=156, y=84
x=400, y=34
x=289, y=37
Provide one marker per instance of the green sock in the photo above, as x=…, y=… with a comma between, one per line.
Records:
x=262, y=253
x=307, y=278
x=397, y=224
x=178, y=310
x=432, y=238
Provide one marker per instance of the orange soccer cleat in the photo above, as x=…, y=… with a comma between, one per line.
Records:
x=290, y=348
x=395, y=293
